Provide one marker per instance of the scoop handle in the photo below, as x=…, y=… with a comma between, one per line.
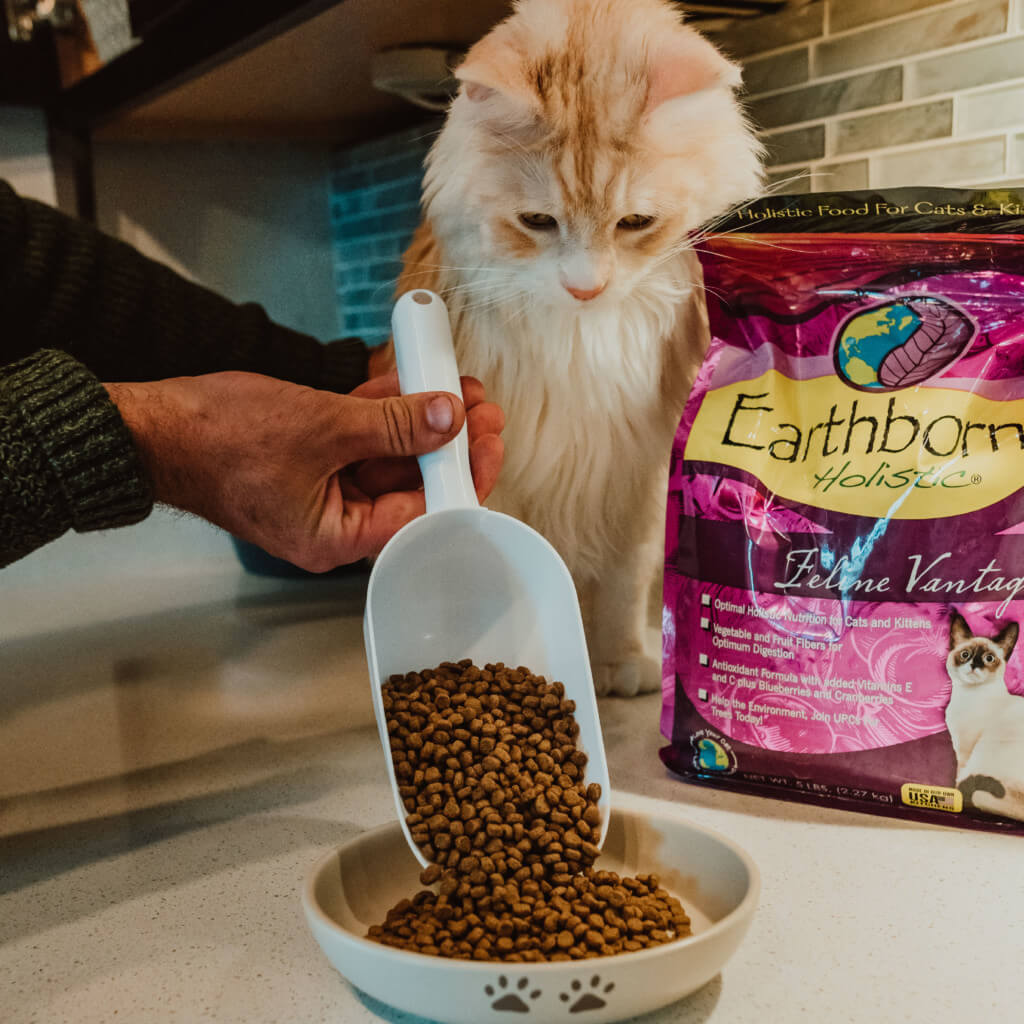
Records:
x=425, y=355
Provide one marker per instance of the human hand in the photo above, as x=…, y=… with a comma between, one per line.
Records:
x=313, y=477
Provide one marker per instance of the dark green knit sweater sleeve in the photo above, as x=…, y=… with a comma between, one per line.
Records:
x=78, y=307
x=66, y=458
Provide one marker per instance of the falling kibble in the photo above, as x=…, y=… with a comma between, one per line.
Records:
x=496, y=798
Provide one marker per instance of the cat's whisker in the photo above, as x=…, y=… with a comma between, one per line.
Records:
x=778, y=186
x=431, y=134
x=489, y=298
x=721, y=296
x=431, y=267
x=458, y=286
x=752, y=239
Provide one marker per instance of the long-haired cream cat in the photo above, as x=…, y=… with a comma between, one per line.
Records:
x=588, y=138
x=985, y=720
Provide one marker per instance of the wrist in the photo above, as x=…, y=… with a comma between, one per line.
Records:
x=155, y=424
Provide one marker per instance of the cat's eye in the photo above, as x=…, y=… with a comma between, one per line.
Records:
x=538, y=221
x=635, y=222
x=989, y=658
x=965, y=655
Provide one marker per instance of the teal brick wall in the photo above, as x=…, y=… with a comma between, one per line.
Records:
x=374, y=202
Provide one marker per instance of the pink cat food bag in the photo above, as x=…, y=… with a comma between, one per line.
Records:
x=844, y=567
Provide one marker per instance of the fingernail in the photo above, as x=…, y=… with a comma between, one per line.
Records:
x=440, y=414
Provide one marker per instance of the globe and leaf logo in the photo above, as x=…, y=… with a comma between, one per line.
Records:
x=901, y=343
x=712, y=752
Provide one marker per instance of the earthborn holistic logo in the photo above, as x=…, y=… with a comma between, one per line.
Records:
x=884, y=435
x=712, y=752
x=900, y=343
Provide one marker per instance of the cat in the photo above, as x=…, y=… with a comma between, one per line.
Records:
x=985, y=720
x=587, y=140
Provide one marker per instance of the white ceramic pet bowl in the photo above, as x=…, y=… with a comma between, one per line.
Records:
x=717, y=882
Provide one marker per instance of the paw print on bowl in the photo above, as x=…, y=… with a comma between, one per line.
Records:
x=508, y=1000
x=591, y=998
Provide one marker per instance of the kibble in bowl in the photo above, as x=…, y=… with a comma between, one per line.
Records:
x=353, y=888
x=498, y=800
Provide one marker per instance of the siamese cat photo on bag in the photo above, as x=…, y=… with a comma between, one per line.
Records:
x=985, y=720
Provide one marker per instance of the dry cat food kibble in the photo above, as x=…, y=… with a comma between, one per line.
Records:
x=496, y=798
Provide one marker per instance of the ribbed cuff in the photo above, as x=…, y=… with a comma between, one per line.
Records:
x=345, y=365
x=84, y=438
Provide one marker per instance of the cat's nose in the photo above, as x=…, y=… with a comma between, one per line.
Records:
x=584, y=294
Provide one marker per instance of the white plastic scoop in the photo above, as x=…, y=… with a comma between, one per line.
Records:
x=465, y=582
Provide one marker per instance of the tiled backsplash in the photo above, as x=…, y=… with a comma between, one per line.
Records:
x=874, y=93
x=375, y=195
x=848, y=94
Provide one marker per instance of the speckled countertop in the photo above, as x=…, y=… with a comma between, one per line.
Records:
x=181, y=742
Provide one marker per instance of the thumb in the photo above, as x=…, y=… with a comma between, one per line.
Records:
x=399, y=425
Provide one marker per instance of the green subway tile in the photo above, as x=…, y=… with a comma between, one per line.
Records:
x=895, y=127
x=402, y=193
x=402, y=165
x=857, y=92
x=350, y=275
x=770, y=32
x=981, y=65
x=342, y=180
x=363, y=153
x=392, y=246
x=349, y=249
x=364, y=321
x=349, y=203
x=933, y=31
x=364, y=296
x=380, y=223
x=998, y=108
x=844, y=14
x=385, y=271
x=979, y=160
x=852, y=174
x=786, y=183
x=789, y=68
x=796, y=146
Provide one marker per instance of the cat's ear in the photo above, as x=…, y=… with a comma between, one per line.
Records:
x=959, y=631
x=494, y=79
x=1007, y=638
x=683, y=64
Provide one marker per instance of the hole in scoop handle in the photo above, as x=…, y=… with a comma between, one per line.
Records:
x=425, y=356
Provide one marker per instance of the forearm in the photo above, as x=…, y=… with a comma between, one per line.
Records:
x=65, y=285
x=67, y=460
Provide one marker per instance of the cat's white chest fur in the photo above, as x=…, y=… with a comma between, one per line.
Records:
x=971, y=712
x=589, y=432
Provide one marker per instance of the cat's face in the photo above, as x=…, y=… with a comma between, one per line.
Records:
x=582, y=233
x=976, y=660
x=584, y=145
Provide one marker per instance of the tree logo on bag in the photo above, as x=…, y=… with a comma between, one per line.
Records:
x=712, y=753
x=900, y=343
